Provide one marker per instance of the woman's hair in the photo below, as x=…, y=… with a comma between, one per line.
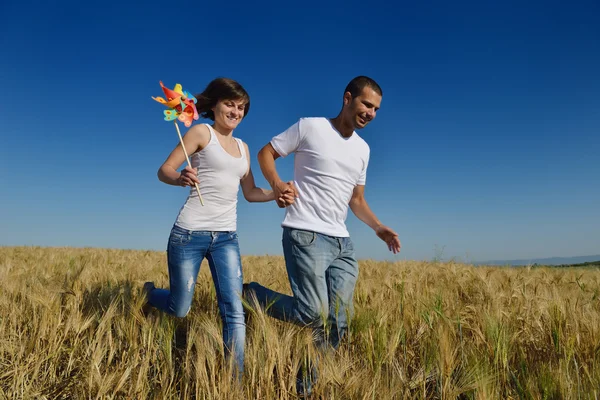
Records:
x=220, y=89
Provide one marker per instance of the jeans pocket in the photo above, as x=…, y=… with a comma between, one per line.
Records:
x=178, y=238
x=233, y=236
x=302, y=238
x=349, y=245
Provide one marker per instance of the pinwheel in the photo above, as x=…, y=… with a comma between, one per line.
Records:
x=182, y=106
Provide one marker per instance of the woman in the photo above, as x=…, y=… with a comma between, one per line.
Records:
x=220, y=165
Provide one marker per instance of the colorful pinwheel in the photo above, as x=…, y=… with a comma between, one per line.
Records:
x=182, y=106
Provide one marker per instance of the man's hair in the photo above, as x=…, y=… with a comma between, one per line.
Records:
x=221, y=89
x=356, y=86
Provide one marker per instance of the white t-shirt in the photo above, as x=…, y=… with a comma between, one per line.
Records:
x=327, y=167
x=219, y=173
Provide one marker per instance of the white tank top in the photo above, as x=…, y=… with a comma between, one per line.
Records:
x=219, y=174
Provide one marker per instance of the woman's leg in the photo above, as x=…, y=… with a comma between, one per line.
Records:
x=185, y=253
x=226, y=269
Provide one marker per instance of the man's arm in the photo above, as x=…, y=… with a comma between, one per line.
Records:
x=360, y=208
x=266, y=158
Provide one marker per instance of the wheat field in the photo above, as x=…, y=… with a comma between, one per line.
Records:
x=71, y=327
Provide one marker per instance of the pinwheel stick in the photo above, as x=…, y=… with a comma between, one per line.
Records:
x=188, y=161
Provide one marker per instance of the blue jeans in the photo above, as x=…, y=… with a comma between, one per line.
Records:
x=185, y=252
x=322, y=271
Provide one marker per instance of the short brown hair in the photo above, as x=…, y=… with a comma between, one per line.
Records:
x=220, y=89
x=356, y=86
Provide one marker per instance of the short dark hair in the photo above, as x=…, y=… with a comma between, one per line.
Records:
x=356, y=86
x=221, y=89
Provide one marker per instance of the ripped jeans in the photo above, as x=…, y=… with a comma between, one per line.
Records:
x=185, y=253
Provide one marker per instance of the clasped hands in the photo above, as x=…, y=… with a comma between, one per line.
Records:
x=285, y=193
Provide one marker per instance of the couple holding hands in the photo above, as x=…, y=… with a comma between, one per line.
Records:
x=330, y=167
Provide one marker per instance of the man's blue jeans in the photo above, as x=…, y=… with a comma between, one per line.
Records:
x=185, y=253
x=322, y=271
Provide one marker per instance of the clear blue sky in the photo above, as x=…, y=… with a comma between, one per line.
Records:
x=486, y=144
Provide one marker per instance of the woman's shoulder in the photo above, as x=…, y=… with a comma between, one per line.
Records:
x=200, y=134
x=241, y=141
x=200, y=131
x=244, y=145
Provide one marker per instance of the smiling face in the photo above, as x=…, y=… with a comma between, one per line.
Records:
x=361, y=109
x=229, y=113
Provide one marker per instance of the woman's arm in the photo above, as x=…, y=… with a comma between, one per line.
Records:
x=251, y=192
x=195, y=139
x=255, y=194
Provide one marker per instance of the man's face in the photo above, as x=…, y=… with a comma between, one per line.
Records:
x=363, y=108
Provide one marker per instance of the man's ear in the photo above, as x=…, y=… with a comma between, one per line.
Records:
x=347, y=98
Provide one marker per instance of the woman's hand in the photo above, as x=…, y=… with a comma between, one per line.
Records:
x=188, y=177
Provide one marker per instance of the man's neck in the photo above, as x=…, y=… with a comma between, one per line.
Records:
x=345, y=129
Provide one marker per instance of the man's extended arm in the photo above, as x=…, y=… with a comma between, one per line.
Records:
x=360, y=208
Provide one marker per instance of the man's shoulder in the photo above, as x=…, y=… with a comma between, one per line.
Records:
x=313, y=122
x=362, y=143
x=313, y=127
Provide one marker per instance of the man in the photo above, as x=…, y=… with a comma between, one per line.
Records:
x=330, y=169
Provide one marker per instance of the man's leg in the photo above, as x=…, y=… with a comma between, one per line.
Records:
x=341, y=281
x=307, y=257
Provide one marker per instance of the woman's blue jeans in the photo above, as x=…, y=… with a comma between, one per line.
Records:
x=185, y=252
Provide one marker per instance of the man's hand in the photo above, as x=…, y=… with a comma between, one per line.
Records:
x=389, y=237
x=285, y=193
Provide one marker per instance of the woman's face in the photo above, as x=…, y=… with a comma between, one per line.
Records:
x=229, y=113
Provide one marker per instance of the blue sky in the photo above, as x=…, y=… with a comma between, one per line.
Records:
x=486, y=145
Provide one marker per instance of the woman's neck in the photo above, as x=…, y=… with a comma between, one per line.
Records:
x=222, y=130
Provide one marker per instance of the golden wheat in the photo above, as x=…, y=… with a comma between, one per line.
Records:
x=71, y=326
